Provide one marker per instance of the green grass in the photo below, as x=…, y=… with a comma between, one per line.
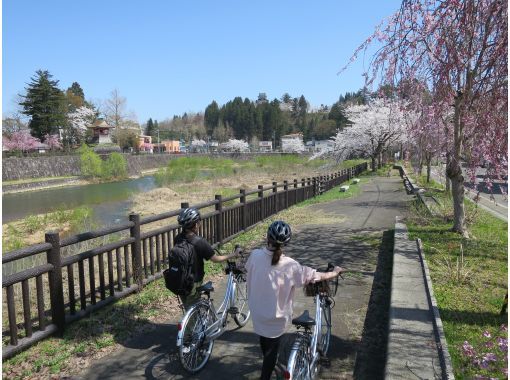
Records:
x=15, y=232
x=469, y=289
x=32, y=180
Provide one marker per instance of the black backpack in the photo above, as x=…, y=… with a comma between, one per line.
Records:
x=180, y=275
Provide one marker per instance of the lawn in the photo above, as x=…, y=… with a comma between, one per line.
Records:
x=470, y=280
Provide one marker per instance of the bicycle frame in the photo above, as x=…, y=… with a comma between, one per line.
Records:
x=311, y=338
x=218, y=327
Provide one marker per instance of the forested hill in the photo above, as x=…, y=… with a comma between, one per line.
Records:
x=261, y=119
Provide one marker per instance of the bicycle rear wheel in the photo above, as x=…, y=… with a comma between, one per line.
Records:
x=241, y=302
x=194, y=351
x=325, y=329
x=297, y=367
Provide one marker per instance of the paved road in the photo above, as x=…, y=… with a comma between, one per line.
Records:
x=494, y=201
x=355, y=346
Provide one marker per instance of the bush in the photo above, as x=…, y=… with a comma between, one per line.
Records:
x=115, y=166
x=91, y=164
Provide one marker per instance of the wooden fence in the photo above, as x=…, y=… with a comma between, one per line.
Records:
x=91, y=279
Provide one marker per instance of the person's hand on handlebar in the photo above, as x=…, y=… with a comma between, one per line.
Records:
x=322, y=276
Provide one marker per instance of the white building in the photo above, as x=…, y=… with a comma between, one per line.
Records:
x=265, y=146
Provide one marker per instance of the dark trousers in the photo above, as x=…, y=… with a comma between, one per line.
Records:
x=269, y=348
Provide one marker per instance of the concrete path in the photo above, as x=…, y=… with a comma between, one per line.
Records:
x=358, y=342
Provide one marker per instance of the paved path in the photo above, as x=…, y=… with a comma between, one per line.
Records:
x=357, y=345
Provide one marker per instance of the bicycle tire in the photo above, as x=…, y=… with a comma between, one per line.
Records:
x=194, y=352
x=297, y=367
x=325, y=329
x=241, y=302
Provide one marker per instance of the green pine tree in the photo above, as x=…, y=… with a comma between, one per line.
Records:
x=45, y=103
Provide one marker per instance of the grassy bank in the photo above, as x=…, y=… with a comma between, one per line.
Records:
x=470, y=280
x=109, y=328
x=30, y=230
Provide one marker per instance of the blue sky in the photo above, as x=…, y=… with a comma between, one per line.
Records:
x=171, y=57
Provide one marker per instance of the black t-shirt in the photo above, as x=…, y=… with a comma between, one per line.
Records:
x=203, y=251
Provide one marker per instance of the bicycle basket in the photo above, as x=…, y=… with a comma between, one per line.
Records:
x=320, y=287
x=326, y=287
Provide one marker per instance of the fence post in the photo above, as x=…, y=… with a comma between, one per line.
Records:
x=286, y=189
x=58, y=316
x=136, y=250
x=261, y=200
x=244, y=214
x=275, y=196
x=219, y=218
x=314, y=183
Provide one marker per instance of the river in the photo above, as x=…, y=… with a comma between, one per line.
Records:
x=110, y=202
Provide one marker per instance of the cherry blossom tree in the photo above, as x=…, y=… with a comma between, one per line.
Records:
x=78, y=121
x=81, y=118
x=234, y=145
x=375, y=127
x=459, y=49
x=53, y=141
x=21, y=141
x=294, y=146
x=198, y=145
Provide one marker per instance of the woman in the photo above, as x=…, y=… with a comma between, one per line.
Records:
x=272, y=279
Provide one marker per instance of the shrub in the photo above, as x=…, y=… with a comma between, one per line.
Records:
x=115, y=166
x=91, y=164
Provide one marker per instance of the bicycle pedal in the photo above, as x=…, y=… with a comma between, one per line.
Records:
x=325, y=362
x=233, y=310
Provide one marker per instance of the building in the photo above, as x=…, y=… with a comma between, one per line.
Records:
x=324, y=146
x=292, y=142
x=171, y=146
x=101, y=132
x=265, y=146
x=145, y=144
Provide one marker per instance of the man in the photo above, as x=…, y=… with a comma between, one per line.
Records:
x=189, y=219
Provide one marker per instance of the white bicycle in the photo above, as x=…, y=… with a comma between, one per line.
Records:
x=202, y=323
x=312, y=343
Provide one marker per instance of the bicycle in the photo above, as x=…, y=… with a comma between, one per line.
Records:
x=311, y=345
x=202, y=324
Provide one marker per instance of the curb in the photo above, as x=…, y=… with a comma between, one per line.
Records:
x=416, y=342
x=442, y=346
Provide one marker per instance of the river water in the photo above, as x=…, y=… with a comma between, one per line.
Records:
x=110, y=202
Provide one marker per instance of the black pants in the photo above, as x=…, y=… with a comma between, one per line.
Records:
x=269, y=348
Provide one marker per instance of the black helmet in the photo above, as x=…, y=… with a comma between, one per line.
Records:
x=188, y=217
x=279, y=233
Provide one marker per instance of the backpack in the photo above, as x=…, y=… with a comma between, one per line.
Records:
x=180, y=275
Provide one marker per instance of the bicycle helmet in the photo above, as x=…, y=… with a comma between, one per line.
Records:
x=279, y=233
x=188, y=217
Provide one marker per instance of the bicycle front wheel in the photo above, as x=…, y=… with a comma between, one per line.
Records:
x=241, y=302
x=325, y=329
x=298, y=364
x=195, y=349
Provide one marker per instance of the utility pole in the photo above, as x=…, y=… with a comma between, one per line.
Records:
x=159, y=146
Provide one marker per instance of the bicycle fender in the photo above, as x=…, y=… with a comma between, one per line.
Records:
x=183, y=323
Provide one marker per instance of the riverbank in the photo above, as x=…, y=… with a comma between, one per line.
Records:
x=35, y=184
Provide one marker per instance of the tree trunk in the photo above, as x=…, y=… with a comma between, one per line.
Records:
x=454, y=170
x=429, y=165
x=373, y=163
x=379, y=161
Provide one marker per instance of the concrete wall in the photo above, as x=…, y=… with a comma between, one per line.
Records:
x=14, y=168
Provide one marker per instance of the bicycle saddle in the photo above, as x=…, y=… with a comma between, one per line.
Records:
x=304, y=320
x=206, y=288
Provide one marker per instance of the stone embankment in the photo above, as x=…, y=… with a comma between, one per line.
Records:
x=17, y=168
